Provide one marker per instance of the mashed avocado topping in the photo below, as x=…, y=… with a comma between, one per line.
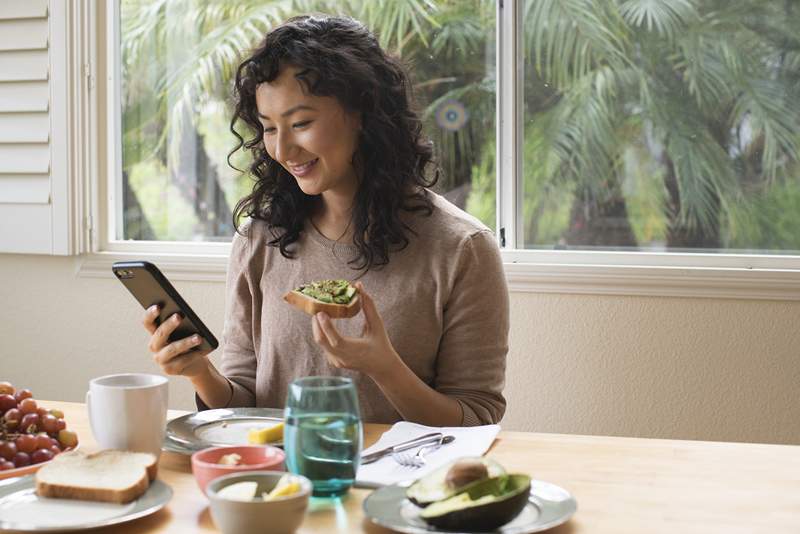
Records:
x=329, y=291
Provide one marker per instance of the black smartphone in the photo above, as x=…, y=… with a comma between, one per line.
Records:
x=149, y=286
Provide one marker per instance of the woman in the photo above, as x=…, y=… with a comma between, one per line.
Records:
x=341, y=192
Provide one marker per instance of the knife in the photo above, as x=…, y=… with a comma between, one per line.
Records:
x=433, y=437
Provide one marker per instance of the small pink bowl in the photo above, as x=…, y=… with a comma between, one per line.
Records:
x=254, y=458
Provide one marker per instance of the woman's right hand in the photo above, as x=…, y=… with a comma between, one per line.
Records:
x=174, y=358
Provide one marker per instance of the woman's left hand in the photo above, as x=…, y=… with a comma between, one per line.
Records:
x=372, y=353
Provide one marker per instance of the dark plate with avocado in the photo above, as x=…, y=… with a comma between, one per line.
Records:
x=547, y=506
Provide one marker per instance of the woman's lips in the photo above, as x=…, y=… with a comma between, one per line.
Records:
x=304, y=169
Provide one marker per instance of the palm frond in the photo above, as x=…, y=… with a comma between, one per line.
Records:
x=397, y=21
x=764, y=107
x=703, y=170
x=568, y=38
x=458, y=39
x=588, y=118
x=666, y=17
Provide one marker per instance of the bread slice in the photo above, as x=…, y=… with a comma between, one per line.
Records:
x=311, y=305
x=108, y=476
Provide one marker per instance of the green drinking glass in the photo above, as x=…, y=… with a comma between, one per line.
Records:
x=323, y=434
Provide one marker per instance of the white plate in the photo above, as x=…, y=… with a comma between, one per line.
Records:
x=548, y=506
x=22, y=510
x=210, y=428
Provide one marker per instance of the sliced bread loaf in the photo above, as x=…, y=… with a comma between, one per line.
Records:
x=109, y=476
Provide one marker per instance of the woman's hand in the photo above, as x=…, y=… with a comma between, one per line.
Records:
x=174, y=358
x=372, y=353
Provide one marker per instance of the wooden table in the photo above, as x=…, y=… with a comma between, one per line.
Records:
x=621, y=484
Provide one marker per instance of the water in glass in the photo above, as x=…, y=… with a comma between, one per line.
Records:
x=323, y=433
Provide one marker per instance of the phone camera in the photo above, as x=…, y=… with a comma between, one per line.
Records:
x=123, y=274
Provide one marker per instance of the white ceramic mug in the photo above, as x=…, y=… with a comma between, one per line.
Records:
x=128, y=411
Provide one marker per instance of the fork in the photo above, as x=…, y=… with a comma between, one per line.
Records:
x=414, y=461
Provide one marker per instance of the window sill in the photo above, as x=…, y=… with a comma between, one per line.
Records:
x=180, y=267
x=693, y=282
x=532, y=277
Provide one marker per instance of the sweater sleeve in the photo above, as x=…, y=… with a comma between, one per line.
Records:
x=471, y=362
x=238, y=351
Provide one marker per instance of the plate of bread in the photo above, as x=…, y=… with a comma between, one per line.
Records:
x=77, y=491
x=224, y=426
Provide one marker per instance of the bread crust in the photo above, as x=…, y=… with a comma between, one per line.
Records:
x=59, y=490
x=311, y=305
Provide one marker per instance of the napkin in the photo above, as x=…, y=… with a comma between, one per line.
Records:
x=470, y=441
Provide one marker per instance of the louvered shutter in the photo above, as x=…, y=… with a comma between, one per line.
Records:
x=33, y=166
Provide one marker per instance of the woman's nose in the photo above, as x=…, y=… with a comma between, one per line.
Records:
x=284, y=146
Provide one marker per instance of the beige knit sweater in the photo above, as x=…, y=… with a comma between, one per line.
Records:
x=443, y=299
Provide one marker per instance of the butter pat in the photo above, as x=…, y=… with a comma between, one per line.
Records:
x=264, y=435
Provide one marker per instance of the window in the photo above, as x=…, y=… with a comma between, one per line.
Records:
x=666, y=125
x=634, y=146
x=178, y=59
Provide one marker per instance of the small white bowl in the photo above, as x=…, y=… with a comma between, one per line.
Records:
x=280, y=516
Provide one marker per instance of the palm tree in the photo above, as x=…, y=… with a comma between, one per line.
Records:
x=645, y=120
x=691, y=99
x=163, y=108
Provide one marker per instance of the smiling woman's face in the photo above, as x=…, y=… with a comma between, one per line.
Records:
x=312, y=137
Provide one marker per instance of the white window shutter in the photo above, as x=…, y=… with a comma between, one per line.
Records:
x=36, y=214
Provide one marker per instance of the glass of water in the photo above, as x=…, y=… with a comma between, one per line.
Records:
x=323, y=433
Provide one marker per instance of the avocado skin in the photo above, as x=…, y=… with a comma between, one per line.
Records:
x=489, y=516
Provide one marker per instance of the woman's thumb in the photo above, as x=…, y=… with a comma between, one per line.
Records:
x=368, y=306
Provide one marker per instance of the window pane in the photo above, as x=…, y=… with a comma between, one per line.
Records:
x=661, y=125
x=178, y=59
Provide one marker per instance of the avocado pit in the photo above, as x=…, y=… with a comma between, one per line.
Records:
x=464, y=472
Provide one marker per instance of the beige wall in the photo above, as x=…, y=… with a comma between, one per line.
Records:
x=633, y=366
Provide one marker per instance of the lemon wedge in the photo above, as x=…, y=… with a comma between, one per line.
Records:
x=287, y=485
x=268, y=434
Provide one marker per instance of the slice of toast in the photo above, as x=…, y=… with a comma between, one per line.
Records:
x=311, y=305
x=108, y=476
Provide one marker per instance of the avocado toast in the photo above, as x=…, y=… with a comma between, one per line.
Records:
x=338, y=298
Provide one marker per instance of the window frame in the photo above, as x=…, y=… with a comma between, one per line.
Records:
x=717, y=275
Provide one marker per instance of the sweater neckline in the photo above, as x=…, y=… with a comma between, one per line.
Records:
x=319, y=238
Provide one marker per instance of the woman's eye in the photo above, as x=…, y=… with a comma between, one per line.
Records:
x=301, y=124
x=269, y=130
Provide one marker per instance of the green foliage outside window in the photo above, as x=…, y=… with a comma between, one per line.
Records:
x=648, y=124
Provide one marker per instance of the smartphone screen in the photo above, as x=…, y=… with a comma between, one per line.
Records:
x=149, y=286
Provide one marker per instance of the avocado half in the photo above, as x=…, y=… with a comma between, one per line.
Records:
x=433, y=487
x=481, y=506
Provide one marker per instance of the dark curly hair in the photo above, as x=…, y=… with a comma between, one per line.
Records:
x=338, y=57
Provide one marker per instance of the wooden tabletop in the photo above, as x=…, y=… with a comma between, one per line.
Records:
x=621, y=484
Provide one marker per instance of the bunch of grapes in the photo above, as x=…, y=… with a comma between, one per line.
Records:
x=29, y=434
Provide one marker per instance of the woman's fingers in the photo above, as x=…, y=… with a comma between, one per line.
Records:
x=160, y=337
x=322, y=341
x=371, y=315
x=332, y=353
x=149, y=319
x=173, y=358
x=176, y=350
x=179, y=364
x=328, y=331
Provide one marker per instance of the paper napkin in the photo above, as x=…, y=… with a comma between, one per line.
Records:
x=470, y=441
